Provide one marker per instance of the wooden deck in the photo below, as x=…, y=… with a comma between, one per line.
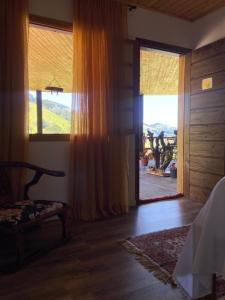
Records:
x=94, y=266
x=152, y=186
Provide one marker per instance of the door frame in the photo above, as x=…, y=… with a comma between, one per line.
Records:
x=141, y=43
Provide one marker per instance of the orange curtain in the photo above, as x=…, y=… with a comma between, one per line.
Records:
x=13, y=81
x=98, y=145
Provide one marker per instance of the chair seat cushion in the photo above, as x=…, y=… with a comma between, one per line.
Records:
x=27, y=210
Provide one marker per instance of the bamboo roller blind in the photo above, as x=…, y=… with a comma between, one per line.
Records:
x=159, y=73
x=50, y=55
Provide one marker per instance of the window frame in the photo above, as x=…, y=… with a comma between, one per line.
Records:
x=57, y=25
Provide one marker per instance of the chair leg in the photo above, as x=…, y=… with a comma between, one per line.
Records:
x=62, y=219
x=66, y=227
x=213, y=287
x=19, y=239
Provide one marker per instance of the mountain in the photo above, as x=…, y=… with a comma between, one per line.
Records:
x=57, y=108
x=156, y=128
x=56, y=117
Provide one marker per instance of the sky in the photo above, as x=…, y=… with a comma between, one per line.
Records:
x=161, y=109
x=61, y=98
x=156, y=109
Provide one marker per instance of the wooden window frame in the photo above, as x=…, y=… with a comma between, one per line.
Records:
x=43, y=137
x=50, y=23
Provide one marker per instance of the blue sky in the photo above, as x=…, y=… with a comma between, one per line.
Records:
x=161, y=109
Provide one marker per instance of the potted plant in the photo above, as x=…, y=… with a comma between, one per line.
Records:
x=173, y=170
x=143, y=159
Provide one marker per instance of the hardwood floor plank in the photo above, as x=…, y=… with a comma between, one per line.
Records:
x=94, y=266
x=152, y=186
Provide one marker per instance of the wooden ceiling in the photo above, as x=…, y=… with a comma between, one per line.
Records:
x=159, y=73
x=50, y=58
x=189, y=10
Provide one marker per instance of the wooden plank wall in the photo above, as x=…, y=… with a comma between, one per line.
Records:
x=207, y=120
x=128, y=116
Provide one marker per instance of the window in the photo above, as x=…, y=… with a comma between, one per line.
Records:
x=52, y=112
x=50, y=80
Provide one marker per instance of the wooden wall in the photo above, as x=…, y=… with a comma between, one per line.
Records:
x=207, y=120
x=127, y=121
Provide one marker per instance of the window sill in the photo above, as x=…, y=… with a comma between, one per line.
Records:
x=49, y=137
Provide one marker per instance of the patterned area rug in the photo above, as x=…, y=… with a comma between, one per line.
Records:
x=158, y=252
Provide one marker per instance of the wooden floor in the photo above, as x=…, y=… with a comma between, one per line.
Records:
x=93, y=266
x=152, y=186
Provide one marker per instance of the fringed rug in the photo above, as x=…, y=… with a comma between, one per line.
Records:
x=158, y=252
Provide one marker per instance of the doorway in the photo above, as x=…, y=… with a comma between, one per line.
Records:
x=160, y=106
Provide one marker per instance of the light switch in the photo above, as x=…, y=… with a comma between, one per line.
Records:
x=207, y=83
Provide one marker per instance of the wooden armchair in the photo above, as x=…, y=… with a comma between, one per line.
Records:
x=17, y=216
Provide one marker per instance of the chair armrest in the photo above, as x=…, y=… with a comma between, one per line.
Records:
x=16, y=164
x=38, y=173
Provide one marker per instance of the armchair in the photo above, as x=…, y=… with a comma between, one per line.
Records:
x=17, y=216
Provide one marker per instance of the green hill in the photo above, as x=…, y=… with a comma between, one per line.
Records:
x=56, y=117
x=32, y=118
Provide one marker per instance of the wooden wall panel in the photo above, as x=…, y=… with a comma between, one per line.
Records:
x=209, y=66
x=203, y=180
x=208, y=51
x=206, y=165
x=201, y=133
x=199, y=193
x=207, y=116
x=128, y=75
x=207, y=149
x=127, y=104
x=207, y=120
x=218, y=83
x=127, y=121
x=210, y=99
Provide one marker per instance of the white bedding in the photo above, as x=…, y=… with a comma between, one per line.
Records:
x=204, y=251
